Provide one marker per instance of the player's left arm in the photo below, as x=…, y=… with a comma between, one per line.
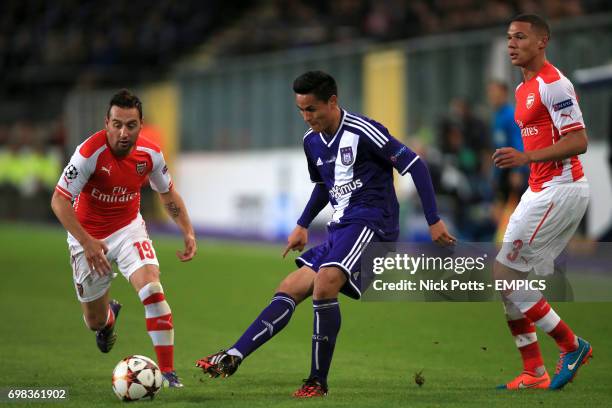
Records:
x=176, y=209
x=422, y=181
x=161, y=182
x=407, y=161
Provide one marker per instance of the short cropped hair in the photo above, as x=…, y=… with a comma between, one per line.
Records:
x=537, y=23
x=319, y=83
x=125, y=99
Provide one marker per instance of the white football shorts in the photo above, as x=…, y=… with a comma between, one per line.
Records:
x=541, y=226
x=130, y=248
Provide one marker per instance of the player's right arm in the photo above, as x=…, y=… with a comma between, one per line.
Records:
x=560, y=100
x=319, y=198
x=71, y=182
x=298, y=238
x=95, y=249
x=571, y=144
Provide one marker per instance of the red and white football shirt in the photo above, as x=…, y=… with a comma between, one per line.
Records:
x=546, y=109
x=106, y=188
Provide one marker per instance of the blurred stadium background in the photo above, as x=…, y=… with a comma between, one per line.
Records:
x=216, y=76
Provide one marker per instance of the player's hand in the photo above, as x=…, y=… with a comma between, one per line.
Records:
x=440, y=235
x=191, y=247
x=508, y=157
x=297, y=240
x=95, y=253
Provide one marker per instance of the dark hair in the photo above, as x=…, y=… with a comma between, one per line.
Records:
x=537, y=23
x=125, y=99
x=319, y=83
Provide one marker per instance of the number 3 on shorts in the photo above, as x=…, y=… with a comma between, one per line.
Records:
x=516, y=247
x=145, y=250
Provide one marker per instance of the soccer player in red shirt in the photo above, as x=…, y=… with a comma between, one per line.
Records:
x=549, y=212
x=97, y=200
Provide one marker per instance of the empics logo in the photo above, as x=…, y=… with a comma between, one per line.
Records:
x=339, y=191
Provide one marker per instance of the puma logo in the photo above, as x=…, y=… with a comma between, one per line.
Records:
x=567, y=115
x=106, y=169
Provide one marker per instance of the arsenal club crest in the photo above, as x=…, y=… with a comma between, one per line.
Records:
x=346, y=155
x=141, y=167
x=530, y=99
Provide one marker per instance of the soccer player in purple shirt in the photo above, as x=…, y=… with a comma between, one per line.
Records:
x=350, y=161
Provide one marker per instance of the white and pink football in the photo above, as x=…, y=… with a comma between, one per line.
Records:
x=136, y=377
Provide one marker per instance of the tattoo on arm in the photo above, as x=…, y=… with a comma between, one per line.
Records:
x=173, y=209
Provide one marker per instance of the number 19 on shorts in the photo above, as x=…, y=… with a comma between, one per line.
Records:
x=145, y=250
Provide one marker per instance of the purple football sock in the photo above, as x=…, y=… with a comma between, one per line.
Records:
x=325, y=330
x=270, y=321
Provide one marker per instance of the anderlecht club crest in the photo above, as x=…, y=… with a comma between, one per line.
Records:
x=346, y=154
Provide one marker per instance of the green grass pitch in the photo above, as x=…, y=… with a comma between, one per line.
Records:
x=464, y=349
